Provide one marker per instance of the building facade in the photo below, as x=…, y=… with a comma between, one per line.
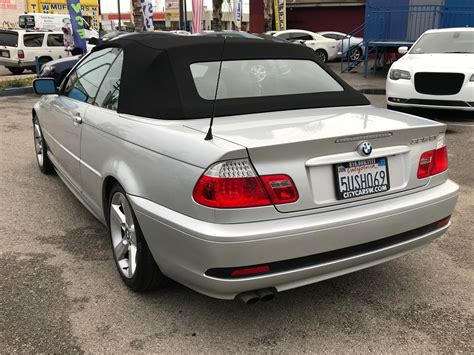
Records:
x=9, y=12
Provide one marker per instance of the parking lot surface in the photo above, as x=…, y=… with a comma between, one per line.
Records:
x=60, y=291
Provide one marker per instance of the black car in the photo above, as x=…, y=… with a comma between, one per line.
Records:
x=59, y=68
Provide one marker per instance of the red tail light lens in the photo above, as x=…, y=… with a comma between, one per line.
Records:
x=234, y=184
x=280, y=188
x=21, y=54
x=433, y=162
x=440, y=161
x=443, y=222
x=230, y=184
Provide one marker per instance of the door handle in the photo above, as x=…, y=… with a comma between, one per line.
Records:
x=77, y=119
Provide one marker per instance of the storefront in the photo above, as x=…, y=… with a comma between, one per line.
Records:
x=90, y=9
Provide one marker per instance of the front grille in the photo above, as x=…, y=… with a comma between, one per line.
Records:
x=438, y=83
x=329, y=256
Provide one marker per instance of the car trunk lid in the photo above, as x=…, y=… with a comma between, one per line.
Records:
x=307, y=144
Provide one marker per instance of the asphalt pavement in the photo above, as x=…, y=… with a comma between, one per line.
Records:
x=60, y=291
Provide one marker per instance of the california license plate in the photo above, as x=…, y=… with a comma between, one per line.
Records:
x=5, y=54
x=361, y=178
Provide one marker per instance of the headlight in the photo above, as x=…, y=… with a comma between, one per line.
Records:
x=396, y=74
x=472, y=78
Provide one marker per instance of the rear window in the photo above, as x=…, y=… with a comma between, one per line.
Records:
x=259, y=78
x=8, y=39
x=33, y=40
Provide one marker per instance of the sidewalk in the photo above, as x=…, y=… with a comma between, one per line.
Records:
x=373, y=84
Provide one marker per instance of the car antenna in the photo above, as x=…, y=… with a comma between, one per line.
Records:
x=209, y=135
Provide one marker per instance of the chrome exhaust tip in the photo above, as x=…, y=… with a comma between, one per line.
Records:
x=247, y=297
x=266, y=294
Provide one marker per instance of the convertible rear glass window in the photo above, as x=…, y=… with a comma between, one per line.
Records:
x=263, y=77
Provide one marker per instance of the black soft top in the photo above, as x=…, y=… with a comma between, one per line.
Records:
x=157, y=81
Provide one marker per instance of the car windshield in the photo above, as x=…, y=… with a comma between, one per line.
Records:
x=9, y=39
x=265, y=77
x=445, y=42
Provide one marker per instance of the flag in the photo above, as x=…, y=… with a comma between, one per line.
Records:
x=147, y=8
x=78, y=32
x=197, y=15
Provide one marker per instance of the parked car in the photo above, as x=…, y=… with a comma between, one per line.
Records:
x=59, y=68
x=325, y=49
x=437, y=72
x=344, y=42
x=180, y=32
x=299, y=179
x=18, y=49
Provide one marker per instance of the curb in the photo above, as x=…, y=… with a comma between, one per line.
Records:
x=372, y=91
x=16, y=91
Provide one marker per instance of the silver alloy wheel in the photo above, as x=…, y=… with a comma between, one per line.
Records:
x=39, y=142
x=124, y=239
x=355, y=54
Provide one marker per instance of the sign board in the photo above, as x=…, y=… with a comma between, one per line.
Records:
x=280, y=15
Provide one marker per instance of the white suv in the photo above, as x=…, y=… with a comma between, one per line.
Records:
x=18, y=48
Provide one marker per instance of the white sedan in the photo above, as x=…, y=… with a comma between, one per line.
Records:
x=325, y=48
x=437, y=72
x=344, y=42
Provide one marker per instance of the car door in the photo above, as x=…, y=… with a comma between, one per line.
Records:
x=55, y=45
x=68, y=109
x=96, y=147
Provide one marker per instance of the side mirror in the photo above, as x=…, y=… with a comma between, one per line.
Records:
x=402, y=50
x=44, y=86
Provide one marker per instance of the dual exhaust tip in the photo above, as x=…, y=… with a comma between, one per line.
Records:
x=252, y=297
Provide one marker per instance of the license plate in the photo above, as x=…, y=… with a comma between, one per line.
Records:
x=5, y=54
x=361, y=178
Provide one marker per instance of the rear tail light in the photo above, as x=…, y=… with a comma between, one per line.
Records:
x=433, y=162
x=21, y=54
x=235, y=184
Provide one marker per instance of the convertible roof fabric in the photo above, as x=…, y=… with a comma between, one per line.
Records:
x=157, y=81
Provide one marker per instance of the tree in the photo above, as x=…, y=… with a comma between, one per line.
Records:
x=217, y=15
x=138, y=16
x=268, y=14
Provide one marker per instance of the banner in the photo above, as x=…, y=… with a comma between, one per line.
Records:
x=238, y=12
x=197, y=15
x=78, y=32
x=147, y=8
x=280, y=15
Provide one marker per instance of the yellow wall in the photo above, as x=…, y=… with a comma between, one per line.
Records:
x=89, y=8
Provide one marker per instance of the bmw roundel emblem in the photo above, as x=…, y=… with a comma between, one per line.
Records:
x=364, y=148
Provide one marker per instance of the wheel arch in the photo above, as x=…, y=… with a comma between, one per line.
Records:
x=107, y=185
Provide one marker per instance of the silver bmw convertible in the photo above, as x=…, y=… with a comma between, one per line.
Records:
x=239, y=167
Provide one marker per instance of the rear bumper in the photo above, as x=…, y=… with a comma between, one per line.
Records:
x=17, y=63
x=185, y=248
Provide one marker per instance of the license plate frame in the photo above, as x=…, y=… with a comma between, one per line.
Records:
x=5, y=54
x=357, y=166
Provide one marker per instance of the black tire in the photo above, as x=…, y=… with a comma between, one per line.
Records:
x=41, y=149
x=16, y=71
x=322, y=55
x=147, y=276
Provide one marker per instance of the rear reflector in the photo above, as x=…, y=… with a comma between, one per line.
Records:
x=433, y=162
x=250, y=271
x=443, y=222
x=235, y=184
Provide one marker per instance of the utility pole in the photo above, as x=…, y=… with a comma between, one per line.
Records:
x=119, y=18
